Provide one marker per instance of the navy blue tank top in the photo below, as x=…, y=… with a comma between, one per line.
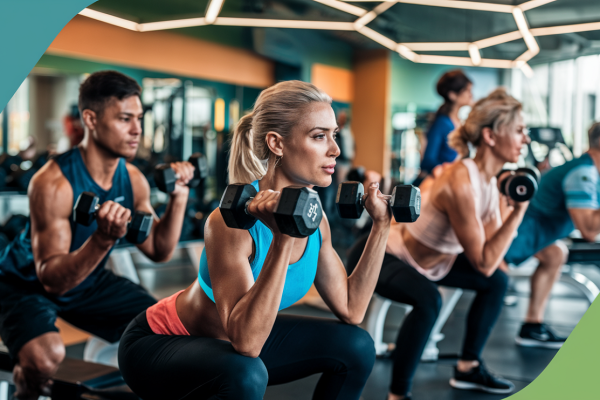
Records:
x=300, y=275
x=17, y=259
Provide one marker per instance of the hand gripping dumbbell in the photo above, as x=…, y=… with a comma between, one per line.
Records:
x=298, y=214
x=87, y=206
x=165, y=177
x=405, y=201
x=521, y=184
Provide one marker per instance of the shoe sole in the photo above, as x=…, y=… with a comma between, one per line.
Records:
x=474, y=386
x=537, y=343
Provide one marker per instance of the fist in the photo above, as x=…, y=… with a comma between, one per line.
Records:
x=185, y=172
x=377, y=205
x=112, y=219
x=263, y=207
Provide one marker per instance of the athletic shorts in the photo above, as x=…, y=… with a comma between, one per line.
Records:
x=104, y=309
x=535, y=233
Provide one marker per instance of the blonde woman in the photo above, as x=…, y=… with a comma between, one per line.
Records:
x=458, y=241
x=222, y=336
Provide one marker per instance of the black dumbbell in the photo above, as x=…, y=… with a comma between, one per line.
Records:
x=405, y=201
x=298, y=214
x=138, y=229
x=165, y=177
x=521, y=184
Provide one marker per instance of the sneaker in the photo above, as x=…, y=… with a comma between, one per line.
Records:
x=538, y=335
x=479, y=378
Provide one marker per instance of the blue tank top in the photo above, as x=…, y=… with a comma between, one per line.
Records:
x=17, y=259
x=300, y=275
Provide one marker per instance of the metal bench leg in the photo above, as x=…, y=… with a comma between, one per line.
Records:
x=580, y=282
x=450, y=297
x=121, y=264
x=375, y=321
x=101, y=352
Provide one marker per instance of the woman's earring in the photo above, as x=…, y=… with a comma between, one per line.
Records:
x=278, y=161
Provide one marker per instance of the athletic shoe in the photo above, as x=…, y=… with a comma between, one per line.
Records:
x=538, y=335
x=479, y=378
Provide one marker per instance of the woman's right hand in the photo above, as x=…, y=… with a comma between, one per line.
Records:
x=263, y=207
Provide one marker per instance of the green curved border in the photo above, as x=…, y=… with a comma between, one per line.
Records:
x=27, y=27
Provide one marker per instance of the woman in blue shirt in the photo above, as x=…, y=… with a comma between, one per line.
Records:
x=222, y=336
x=455, y=87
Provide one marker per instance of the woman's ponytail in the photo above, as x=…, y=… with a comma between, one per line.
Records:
x=244, y=166
x=459, y=141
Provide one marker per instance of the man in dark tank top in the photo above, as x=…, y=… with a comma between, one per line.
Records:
x=56, y=267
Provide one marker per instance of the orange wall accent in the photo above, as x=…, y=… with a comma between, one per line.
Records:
x=336, y=82
x=371, y=110
x=162, y=51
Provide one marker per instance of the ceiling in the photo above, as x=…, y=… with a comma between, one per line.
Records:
x=409, y=24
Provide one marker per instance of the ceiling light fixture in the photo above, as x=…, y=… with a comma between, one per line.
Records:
x=495, y=40
x=378, y=37
x=408, y=53
x=284, y=23
x=214, y=8
x=533, y=4
x=474, y=54
x=371, y=15
x=110, y=19
x=527, y=70
x=530, y=41
x=441, y=46
x=179, y=23
x=557, y=30
x=465, y=5
x=340, y=5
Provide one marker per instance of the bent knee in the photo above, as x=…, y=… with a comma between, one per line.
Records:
x=247, y=377
x=358, y=347
x=499, y=281
x=553, y=256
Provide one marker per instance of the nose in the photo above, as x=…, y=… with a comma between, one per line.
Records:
x=334, y=149
x=136, y=127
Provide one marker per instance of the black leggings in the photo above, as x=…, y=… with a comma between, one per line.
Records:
x=400, y=282
x=165, y=367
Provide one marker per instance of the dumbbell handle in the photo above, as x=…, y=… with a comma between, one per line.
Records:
x=98, y=207
x=384, y=196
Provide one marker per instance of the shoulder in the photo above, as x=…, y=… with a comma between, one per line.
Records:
x=453, y=186
x=139, y=183
x=217, y=232
x=581, y=175
x=50, y=188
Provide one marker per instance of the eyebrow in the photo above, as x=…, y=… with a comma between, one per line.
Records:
x=127, y=114
x=337, y=128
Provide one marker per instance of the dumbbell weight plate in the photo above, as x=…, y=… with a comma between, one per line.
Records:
x=233, y=206
x=299, y=212
x=521, y=187
x=139, y=227
x=85, y=208
x=531, y=171
x=406, y=203
x=348, y=199
x=200, y=169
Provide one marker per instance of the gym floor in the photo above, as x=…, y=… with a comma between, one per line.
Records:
x=501, y=355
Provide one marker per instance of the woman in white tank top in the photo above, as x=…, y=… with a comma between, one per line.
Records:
x=459, y=241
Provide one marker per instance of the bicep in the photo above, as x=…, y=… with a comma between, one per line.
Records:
x=581, y=218
x=227, y=252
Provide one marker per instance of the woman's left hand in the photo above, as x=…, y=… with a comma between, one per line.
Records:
x=377, y=205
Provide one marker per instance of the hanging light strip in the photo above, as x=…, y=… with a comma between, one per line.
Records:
x=340, y=5
x=407, y=53
x=530, y=41
x=441, y=46
x=533, y=4
x=109, y=19
x=284, y=23
x=495, y=40
x=379, y=38
x=557, y=30
x=371, y=15
x=179, y=23
x=474, y=54
x=214, y=8
x=465, y=5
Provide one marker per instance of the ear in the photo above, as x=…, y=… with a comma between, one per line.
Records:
x=488, y=136
x=453, y=96
x=275, y=143
x=89, y=118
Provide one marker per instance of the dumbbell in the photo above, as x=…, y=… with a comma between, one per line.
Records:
x=405, y=201
x=521, y=184
x=298, y=214
x=138, y=228
x=165, y=177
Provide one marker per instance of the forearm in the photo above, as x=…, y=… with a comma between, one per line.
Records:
x=496, y=247
x=362, y=281
x=61, y=273
x=252, y=318
x=168, y=229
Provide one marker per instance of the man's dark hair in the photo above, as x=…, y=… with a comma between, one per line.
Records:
x=97, y=90
x=594, y=136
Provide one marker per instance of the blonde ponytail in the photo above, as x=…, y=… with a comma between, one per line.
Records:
x=244, y=166
x=497, y=111
x=277, y=109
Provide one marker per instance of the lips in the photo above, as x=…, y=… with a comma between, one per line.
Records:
x=330, y=169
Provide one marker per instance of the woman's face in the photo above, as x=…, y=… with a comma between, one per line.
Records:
x=510, y=142
x=310, y=151
x=465, y=96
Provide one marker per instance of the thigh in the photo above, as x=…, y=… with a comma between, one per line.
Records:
x=300, y=346
x=398, y=281
x=463, y=275
x=186, y=367
x=24, y=315
x=106, y=308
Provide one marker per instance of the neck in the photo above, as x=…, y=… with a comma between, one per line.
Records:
x=487, y=162
x=100, y=163
x=453, y=114
x=275, y=179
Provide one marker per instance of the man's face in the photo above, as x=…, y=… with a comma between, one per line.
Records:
x=119, y=127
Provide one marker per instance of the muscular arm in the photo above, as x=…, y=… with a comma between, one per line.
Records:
x=51, y=202
x=164, y=236
x=485, y=247
x=587, y=221
x=348, y=296
x=247, y=309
